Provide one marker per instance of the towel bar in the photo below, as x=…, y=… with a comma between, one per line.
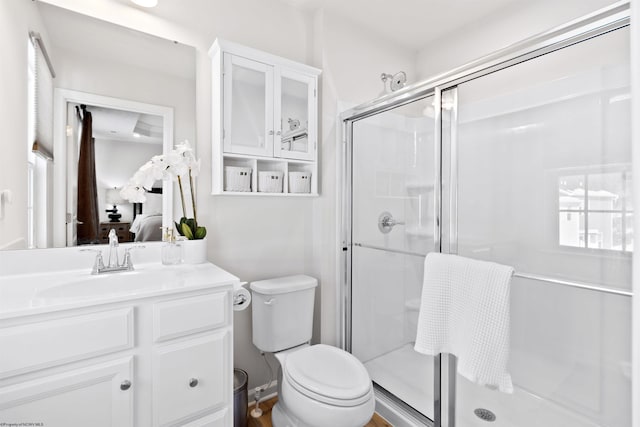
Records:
x=574, y=284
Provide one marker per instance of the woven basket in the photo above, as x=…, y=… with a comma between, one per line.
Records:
x=270, y=181
x=299, y=182
x=237, y=178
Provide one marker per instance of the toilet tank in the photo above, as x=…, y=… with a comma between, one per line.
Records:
x=282, y=312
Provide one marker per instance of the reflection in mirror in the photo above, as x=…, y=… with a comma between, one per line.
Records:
x=140, y=136
x=97, y=60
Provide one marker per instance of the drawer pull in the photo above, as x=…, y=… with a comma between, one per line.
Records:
x=125, y=385
x=193, y=382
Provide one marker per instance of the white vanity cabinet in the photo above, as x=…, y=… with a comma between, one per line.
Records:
x=265, y=118
x=165, y=360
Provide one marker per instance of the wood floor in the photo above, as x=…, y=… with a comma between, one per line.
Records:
x=265, y=419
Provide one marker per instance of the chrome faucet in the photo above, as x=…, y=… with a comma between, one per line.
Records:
x=112, y=262
x=113, y=249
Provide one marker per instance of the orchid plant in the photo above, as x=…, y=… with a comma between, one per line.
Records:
x=176, y=165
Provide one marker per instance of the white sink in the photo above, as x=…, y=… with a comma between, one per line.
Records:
x=49, y=289
x=129, y=282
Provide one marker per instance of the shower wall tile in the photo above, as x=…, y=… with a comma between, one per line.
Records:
x=571, y=346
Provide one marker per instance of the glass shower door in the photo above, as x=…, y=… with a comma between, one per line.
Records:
x=393, y=172
x=543, y=175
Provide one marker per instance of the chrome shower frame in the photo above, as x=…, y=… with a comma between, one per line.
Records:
x=608, y=19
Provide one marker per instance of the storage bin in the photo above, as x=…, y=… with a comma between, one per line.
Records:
x=270, y=181
x=237, y=178
x=299, y=182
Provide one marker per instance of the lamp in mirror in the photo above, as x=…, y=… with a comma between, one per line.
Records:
x=113, y=198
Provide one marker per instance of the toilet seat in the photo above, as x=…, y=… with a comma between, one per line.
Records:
x=328, y=375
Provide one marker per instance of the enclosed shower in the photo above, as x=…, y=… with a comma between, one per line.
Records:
x=522, y=158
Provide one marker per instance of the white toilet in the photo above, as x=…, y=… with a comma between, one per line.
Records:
x=318, y=385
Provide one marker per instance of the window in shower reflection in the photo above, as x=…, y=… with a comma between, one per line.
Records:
x=595, y=210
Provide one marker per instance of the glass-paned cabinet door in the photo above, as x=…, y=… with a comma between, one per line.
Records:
x=295, y=115
x=248, y=106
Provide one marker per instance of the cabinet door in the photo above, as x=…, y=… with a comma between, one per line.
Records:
x=295, y=115
x=191, y=378
x=248, y=107
x=96, y=396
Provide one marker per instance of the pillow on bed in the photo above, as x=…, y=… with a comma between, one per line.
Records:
x=153, y=205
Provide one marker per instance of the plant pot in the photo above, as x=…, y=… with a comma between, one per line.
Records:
x=194, y=251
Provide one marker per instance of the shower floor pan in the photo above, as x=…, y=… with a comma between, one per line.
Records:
x=409, y=376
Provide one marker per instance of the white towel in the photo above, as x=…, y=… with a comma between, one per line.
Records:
x=465, y=311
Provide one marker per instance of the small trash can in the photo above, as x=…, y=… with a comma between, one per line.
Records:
x=240, y=398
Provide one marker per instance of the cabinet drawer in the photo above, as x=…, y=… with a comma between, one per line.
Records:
x=190, y=315
x=40, y=345
x=191, y=377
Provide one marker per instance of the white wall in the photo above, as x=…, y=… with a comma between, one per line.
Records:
x=17, y=18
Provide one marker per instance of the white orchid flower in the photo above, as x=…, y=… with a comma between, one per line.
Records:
x=184, y=147
x=133, y=192
x=173, y=165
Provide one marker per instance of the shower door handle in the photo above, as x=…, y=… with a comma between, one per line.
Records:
x=386, y=222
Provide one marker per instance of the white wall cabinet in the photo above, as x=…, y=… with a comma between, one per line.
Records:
x=265, y=119
x=161, y=361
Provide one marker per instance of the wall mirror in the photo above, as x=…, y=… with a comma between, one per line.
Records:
x=140, y=90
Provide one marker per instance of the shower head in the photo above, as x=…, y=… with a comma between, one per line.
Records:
x=396, y=81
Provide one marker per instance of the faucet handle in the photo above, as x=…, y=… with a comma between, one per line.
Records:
x=127, y=250
x=98, y=264
x=126, y=262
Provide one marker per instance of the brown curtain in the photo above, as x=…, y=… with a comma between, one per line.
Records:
x=88, y=217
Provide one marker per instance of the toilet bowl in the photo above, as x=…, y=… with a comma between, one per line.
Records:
x=318, y=385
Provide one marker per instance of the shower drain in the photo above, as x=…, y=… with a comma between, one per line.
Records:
x=485, y=414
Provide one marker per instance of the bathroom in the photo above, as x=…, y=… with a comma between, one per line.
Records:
x=254, y=237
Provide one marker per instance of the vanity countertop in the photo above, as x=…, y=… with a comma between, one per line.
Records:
x=35, y=292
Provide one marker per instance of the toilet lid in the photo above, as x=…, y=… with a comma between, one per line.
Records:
x=328, y=374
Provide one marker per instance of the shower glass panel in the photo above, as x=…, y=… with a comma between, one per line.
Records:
x=543, y=179
x=393, y=172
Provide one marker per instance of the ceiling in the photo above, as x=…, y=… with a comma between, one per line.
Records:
x=120, y=125
x=411, y=23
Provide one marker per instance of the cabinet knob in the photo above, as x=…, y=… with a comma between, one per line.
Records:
x=193, y=382
x=270, y=132
x=278, y=133
x=125, y=385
